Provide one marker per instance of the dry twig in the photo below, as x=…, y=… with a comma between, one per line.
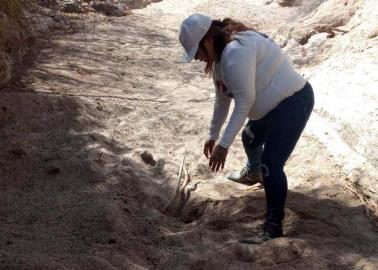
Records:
x=368, y=206
x=175, y=206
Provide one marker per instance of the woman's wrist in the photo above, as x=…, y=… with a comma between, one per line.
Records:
x=221, y=144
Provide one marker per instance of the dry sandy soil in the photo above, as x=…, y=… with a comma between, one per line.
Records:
x=77, y=195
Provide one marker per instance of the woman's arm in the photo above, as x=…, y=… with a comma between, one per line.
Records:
x=220, y=112
x=239, y=72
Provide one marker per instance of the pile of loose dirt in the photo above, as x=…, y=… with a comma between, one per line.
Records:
x=22, y=25
x=93, y=140
x=13, y=38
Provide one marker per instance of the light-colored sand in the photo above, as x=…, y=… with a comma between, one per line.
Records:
x=78, y=195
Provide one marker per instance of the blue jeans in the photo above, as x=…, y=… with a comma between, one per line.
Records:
x=268, y=143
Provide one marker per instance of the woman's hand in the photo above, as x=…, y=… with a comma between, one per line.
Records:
x=208, y=148
x=218, y=158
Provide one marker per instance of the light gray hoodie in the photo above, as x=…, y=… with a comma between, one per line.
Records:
x=258, y=75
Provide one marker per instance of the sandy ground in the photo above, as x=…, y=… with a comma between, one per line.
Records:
x=78, y=195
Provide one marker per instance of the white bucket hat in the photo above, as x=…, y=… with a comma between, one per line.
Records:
x=193, y=29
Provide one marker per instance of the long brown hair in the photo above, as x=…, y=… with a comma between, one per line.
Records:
x=222, y=33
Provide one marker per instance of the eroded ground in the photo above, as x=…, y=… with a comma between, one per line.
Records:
x=78, y=196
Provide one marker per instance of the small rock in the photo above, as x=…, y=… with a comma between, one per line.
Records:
x=110, y=9
x=99, y=107
x=112, y=241
x=53, y=170
x=19, y=153
x=72, y=6
x=286, y=3
x=148, y=158
x=373, y=34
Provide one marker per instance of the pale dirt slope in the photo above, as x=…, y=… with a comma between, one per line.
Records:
x=78, y=196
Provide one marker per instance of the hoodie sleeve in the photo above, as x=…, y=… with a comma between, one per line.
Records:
x=220, y=112
x=239, y=71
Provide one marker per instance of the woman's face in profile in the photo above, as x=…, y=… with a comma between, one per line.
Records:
x=201, y=54
x=205, y=52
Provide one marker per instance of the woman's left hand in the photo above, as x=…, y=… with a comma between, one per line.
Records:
x=218, y=158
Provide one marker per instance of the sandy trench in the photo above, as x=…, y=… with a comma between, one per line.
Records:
x=78, y=196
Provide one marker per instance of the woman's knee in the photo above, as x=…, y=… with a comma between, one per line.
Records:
x=272, y=171
x=249, y=138
x=246, y=139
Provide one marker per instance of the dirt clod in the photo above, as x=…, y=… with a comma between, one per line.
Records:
x=53, y=170
x=148, y=158
x=101, y=209
x=19, y=152
x=112, y=241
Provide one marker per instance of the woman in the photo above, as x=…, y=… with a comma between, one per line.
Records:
x=251, y=69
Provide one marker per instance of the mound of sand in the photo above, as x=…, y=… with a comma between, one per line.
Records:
x=80, y=125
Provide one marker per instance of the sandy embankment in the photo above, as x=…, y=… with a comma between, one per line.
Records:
x=78, y=195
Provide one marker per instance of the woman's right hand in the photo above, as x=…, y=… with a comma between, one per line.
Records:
x=208, y=148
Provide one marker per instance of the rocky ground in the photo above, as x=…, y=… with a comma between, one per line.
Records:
x=75, y=128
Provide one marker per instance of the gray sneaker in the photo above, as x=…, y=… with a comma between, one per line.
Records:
x=246, y=176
